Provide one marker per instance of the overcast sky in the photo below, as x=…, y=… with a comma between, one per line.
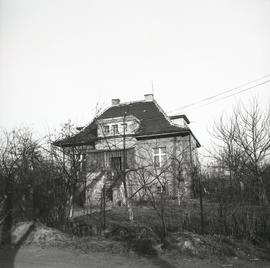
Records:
x=59, y=58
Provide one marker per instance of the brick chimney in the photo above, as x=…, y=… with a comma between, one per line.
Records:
x=148, y=97
x=115, y=102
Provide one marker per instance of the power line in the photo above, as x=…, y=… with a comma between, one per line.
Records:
x=238, y=92
x=246, y=89
x=225, y=92
x=219, y=94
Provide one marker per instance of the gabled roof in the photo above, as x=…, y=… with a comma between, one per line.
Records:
x=153, y=121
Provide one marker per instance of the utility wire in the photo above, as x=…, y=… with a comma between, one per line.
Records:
x=225, y=92
x=225, y=97
x=238, y=92
x=219, y=94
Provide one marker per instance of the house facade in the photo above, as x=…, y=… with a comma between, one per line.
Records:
x=135, y=147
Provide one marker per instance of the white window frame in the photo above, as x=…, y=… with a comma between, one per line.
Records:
x=115, y=127
x=161, y=155
x=124, y=127
x=106, y=129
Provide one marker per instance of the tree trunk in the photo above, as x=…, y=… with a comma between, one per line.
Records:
x=262, y=193
x=130, y=211
x=8, y=207
x=164, y=228
x=201, y=205
x=71, y=206
x=127, y=202
x=179, y=196
x=124, y=177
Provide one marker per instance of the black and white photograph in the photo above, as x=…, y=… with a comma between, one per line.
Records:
x=134, y=133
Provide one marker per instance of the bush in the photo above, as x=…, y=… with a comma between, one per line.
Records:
x=143, y=247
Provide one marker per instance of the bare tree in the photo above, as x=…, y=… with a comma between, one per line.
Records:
x=163, y=173
x=244, y=146
x=19, y=156
x=71, y=161
x=153, y=182
x=252, y=135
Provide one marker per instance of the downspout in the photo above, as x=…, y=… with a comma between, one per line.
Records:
x=191, y=166
x=175, y=181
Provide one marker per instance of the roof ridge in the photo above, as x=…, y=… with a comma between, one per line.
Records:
x=129, y=102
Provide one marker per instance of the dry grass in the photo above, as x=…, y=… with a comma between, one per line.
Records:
x=47, y=237
x=184, y=222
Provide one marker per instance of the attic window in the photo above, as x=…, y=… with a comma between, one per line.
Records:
x=124, y=125
x=115, y=129
x=106, y=129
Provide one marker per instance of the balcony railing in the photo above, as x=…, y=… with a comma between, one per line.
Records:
x=110, y=159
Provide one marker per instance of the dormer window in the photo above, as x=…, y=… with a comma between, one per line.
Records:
x=106, y=129
x=116, y=126
x=115, y=129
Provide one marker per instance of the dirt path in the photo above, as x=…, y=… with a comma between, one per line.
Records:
x=35, y=257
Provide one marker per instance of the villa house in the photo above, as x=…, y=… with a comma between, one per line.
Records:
x=139, y=140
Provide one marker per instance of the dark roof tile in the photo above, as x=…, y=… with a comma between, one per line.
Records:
x=152, y=121
x=150, y=115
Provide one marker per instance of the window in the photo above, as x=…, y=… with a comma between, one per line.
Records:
x=161, y=189
x=124, y=125
x=81, y=160
x=116, y=162
x=115, y=129
x=106, y=129
x=159, y=156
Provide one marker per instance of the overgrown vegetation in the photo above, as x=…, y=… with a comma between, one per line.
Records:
x=39, y=182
